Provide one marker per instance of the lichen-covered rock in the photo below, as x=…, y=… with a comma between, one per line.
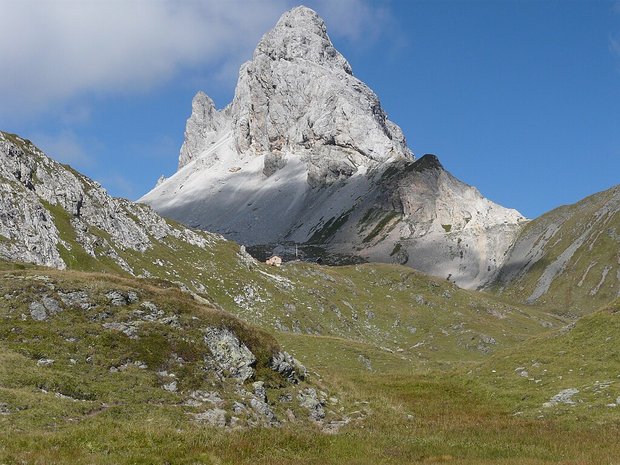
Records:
x=213, y=417
x=565, y=396
x=117, y=298
x=37, y=311
x=285, y=364
x=76, y=299
x=45, y=362
x=309, y=399
x=260, y=406
x=233, y=357
x=245, y=258
x=129, y=329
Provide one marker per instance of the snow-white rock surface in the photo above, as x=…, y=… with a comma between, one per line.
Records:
x=305, y=153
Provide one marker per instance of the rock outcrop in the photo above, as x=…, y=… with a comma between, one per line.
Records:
x=149, y=343
x=305, y=151
x=203, y=128
x=49, y=214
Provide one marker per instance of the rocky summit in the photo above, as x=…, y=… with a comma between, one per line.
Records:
x=305, y=154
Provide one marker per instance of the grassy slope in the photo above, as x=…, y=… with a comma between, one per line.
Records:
x=390, y=306
x=584, y=355
x=414, y=412
x=580, y=288
x=103, y=386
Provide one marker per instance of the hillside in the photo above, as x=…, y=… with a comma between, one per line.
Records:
x=387, y=305
x=113, y=368
x=567, y=260
x=574, y=371
x=121, y=383
x=75, y=344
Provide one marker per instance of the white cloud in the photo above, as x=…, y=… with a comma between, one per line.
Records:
x=55, y=51
x=354, y=19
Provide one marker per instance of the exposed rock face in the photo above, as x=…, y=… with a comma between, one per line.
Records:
x=48, y=210
x=233, y=357
x=305, y=152
x=296, y=75
x=203, y=128
x=285, y=364
x=422, y=216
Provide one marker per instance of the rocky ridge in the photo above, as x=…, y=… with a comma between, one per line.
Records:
x=305, y=152
x=49, y=214
x=569, y=258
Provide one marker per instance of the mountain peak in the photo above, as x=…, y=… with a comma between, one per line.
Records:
x=306, y=153
x=301, y=35
x=428, y=161
x=302, y=17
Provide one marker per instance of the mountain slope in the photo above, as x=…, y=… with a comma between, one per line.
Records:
x=51, y=215
x=93, y=341
x=393, y=345
x=569, y=258
x=422, y=318
x=305, y=154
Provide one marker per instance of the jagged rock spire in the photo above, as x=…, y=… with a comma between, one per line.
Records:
x=298, y=97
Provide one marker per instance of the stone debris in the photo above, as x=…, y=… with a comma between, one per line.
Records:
x=76, y=299
x=118, y=298
x=259, y=404
x=309, y=399
x=44, y=308
x=129, y=329
x=170, y=387
x=129, y=364
x=246, y=259
x=213, y=417
x=365, y=361
x=201, y=397
x=37, y=311
x=45, y=362
x=563, y=397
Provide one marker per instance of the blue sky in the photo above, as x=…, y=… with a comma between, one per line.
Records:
x=519, y=98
